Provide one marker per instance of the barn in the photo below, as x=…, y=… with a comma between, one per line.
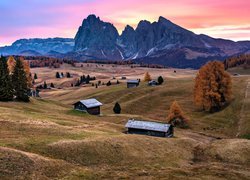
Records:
x=149, y=128
x=132, y=83
x=91, y=106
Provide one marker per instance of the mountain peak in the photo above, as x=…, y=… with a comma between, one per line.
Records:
x=93, y=17
x=164, y=20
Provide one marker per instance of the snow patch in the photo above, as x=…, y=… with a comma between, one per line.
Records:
x=151, y=51
x=103, y=53
x=135, y=56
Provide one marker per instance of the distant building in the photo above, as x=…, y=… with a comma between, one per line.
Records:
x=153, y=83
x=132, y=83
x=91, y=106
x=149, y=128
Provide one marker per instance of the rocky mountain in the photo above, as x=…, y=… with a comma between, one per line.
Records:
x=39, y=46
x=161, y=42
x=96, y=39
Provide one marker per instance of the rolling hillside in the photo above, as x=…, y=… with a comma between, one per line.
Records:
x=46, y=139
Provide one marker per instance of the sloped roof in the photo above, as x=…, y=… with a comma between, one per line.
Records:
x=90, y=103
x=133, y=81
x=147, y=125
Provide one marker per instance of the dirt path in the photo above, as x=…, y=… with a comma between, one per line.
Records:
x=243, y=111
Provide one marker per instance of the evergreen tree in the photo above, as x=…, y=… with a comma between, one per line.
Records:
x=117, y=82
x=117, y=108
x=45, y=86
x=87, y=79
x=20, y=83
x=35, y=76
x=109, y=83
x=52, y=85
x=6, y=90
x=160, y=80
x=58, y=75
x=68, y=75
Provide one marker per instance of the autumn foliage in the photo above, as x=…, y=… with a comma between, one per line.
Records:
x=176, y=116
x=213, y=87
x=147, y=77
x=241, y=60
x=11, y=64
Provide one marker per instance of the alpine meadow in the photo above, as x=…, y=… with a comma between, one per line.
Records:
x=88, y=90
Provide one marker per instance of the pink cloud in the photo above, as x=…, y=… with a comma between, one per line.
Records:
x=63, y=19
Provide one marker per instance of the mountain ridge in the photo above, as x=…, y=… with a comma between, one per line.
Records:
x=160, y=42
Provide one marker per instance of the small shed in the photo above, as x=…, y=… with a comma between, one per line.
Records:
x=91, y=106
x=149, y=128
x=132, y=83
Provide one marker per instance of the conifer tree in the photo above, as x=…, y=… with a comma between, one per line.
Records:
x=213, y=87
x=19, y=81
x=58, y=75
x=11, y=64
x=176, y=116
x=160, y=80
x=147, y=77
x=45, y=86
x=26, y=67
x=117, y=108
x=6, y=89
x=52, y=85
x=35, y=76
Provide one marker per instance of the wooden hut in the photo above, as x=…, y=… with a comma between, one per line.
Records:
x=132, y=83
x=91, y=106
x=149, y=128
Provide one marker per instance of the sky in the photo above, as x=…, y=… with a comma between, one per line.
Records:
x=228, y=19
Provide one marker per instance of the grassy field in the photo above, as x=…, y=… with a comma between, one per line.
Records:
x=46, y=139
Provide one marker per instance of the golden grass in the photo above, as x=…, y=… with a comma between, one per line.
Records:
x=46, y=139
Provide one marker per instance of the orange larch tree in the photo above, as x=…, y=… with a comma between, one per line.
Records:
x=213, y=87
x=26, y=67
x=11, y=64
x=176, y=116
x=147, y=77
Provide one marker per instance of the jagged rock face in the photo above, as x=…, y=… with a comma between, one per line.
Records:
x=127, y=42
x=97, y=39
x=39, y=46
x=149, y=38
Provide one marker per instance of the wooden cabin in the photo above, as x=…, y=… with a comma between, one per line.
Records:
x=149, y=128
x=132, y=83
x=91, y=106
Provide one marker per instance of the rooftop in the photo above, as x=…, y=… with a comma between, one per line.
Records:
x=89, y=103
x=147, y=125
x=133, y=81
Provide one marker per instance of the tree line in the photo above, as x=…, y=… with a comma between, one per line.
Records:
x=15, y=79
x=241, y=60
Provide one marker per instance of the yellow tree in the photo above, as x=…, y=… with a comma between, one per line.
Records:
x=11, y=64
x=213, y=87
x=147, y=77
x=176, y=116
x=26, y=67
